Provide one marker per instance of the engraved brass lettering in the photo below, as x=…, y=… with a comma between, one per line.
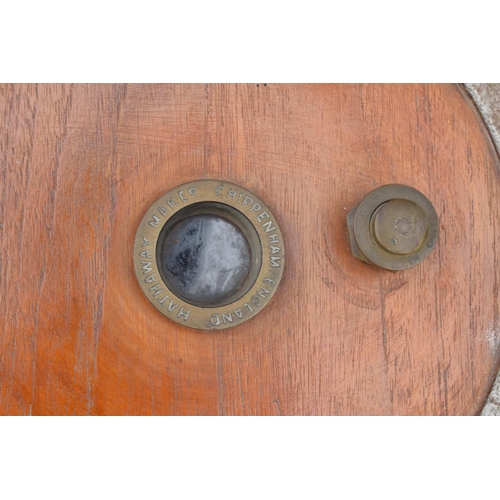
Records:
x=267, y=225
x=256, y=300
x=146, y=266
x=157, y=289
x=151, y=278
x=273, y=238
x=172, y=306
x=156, y=220
x=172, y=203
x=273, y=261
x=227, y=318
x=183, y=314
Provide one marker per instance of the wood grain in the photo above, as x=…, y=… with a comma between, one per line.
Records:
x=80, y=165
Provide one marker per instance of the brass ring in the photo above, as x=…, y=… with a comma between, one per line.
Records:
x=242, y=209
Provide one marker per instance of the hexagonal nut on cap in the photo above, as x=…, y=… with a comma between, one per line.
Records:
x=395, y=227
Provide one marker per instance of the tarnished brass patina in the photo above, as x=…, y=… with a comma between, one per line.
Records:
x=209, y=254
x=395, y=227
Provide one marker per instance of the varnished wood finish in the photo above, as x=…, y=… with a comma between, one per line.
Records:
x=80, y=165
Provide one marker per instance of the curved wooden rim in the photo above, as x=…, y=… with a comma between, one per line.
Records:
x=486, y=98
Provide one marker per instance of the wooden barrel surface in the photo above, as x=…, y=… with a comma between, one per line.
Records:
x=80, y=166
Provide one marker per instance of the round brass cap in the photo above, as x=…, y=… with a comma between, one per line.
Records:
x=395, y=227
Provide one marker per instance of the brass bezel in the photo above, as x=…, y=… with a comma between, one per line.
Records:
x=270, y=254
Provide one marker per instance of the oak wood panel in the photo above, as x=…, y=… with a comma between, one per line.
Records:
x=80, y=165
